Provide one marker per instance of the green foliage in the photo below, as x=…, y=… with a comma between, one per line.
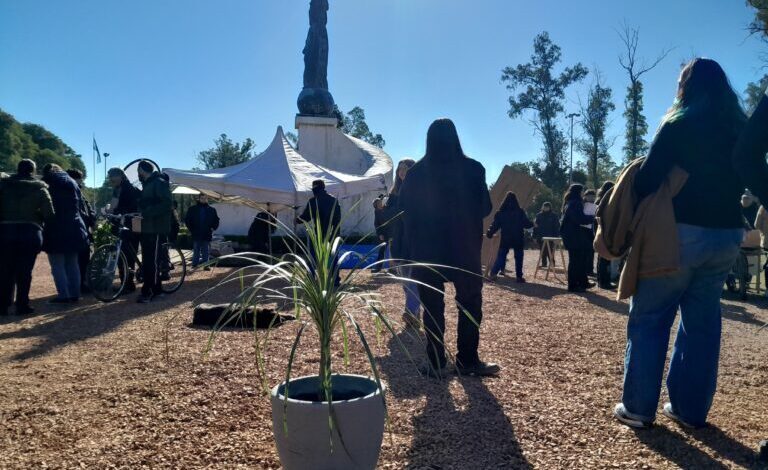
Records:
x=102, y=234
x=544, y=95
x=754, y=93
x=594, y=123
x=760, y=23
x=637, y=126
x=353, y=123
x=226, y=153
x=33, y=141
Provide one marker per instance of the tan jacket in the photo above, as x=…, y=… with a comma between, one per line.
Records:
x=645, y=233
x=761, y=223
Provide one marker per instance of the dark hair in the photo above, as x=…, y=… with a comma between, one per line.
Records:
x=115, y=171
x=51, y=168
x=704, y=90
x=590, y=192
x=26, y=167
x=407, y=162
x=510, y=202
x=607, y=186
x=574, y=192
x=146, y=166
x=75, y=174
x=546, y=204
x=443, y=141
x=318, y=184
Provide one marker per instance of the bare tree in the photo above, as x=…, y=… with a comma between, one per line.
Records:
x=636, y=67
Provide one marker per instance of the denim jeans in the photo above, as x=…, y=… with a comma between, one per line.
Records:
x=200, y=252
x=501, y=260
x=65, y=269
x=706, y=257
x=411, y=291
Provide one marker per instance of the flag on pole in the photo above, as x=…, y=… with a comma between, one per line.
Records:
x=96, y=150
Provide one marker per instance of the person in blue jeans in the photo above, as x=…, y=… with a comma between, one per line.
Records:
x=201, y=220
x=512, y=221
x=698, y=134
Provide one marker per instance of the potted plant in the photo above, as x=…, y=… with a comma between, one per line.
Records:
x=324, y=421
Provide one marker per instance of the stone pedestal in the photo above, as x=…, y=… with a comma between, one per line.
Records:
x=322, y=142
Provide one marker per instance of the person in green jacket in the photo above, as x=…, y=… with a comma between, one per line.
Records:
x=25, y=204
x=156, y=206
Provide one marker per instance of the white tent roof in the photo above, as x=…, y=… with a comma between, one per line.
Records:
x=277, y=176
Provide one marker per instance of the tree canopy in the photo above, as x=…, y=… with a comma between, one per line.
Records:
x=33, y=141
x=226, y=153
x=595, y=144
x=353, y=123
x=754, y=93
x=542, y=92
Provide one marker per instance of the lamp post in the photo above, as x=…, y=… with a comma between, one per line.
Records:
x=570, y=171
x=105, y=164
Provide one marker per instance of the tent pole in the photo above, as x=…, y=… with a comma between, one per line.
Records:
x=270, y=231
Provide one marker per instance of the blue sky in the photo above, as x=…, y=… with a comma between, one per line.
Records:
x=163, y=78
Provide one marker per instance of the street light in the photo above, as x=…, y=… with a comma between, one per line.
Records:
x=105, y=164
x=570, y=172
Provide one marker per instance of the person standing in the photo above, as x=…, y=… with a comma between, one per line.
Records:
x=576, y=230
x=512, y=221
x=698, y=134
x=260, y=231
x=444, y=200
x=604, y=265
x=398, y=247
x=382, y=231
x=324, y=213
x=201, y=220
x=89, y=218
x=590, y=208
x=65, y=235
x=546, y=225
x=155, y=206
x=127, y=196
x=25, y=205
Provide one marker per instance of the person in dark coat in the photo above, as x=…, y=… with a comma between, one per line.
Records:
x=577, y=237
x=546, y=225
x=260, y=231
x=324, y=213
x=65, y=235
x=444, y=199
x=201, y=220
x=25, y=205
x=604, y=265
x=398, y=248
x=156, y=207
x=127, y=196
x=89, y=218
x=382, y=230
x=512, y=221
x=173, y=237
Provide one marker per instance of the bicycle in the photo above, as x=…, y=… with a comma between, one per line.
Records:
x=108, y=271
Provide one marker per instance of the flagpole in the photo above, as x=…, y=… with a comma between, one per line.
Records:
x=93, y=151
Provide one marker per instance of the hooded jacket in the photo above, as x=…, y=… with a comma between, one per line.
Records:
x=512, y=222
x=156, y=206
x=24, y=200
x=65, y=232
x=444, y=202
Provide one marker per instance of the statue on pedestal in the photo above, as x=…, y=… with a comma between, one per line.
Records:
x=315, y=99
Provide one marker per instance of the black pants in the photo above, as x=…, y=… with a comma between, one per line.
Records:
x=150, y=247
x=19, y=247
x=83, y=258
x=578, y=267
x=469, y=300
x=130, y=248
x=603, y=272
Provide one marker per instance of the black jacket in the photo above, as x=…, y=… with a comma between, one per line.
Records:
x=323, y=209
x=749, y=154
x=393, y=217
x=444, y=203
x=260, y=231
x=201, y=220
x=547, y=225
x=700, y=146
x=65, y=232
x=127, y=199
x=380, y=223
x=575, y=235
x=512, y=224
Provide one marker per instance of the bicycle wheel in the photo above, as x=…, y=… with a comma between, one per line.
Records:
x=173, y=267
x=104, y=273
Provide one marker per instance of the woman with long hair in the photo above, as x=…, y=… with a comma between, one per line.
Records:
x=512, y=221
x=577, y=238
x=445, y=199
x=698, y=134
x=604, y=265
x=393, y=223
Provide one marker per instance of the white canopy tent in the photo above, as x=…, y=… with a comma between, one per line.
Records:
x=280, y=180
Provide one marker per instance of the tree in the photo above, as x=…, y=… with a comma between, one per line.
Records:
x=754, y=93
x=543, y=94
x=760, y=24
x=353, y=123
x=594, y=123
x=226, y=153
x=637, y=126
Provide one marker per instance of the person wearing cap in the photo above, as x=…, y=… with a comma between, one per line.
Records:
x=322, y=211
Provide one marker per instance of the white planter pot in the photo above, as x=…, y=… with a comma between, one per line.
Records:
x=356, y=441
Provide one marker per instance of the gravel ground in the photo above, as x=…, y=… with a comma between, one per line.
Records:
x=123, y=385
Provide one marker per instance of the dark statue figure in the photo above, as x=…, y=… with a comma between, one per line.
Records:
x=315, y=99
